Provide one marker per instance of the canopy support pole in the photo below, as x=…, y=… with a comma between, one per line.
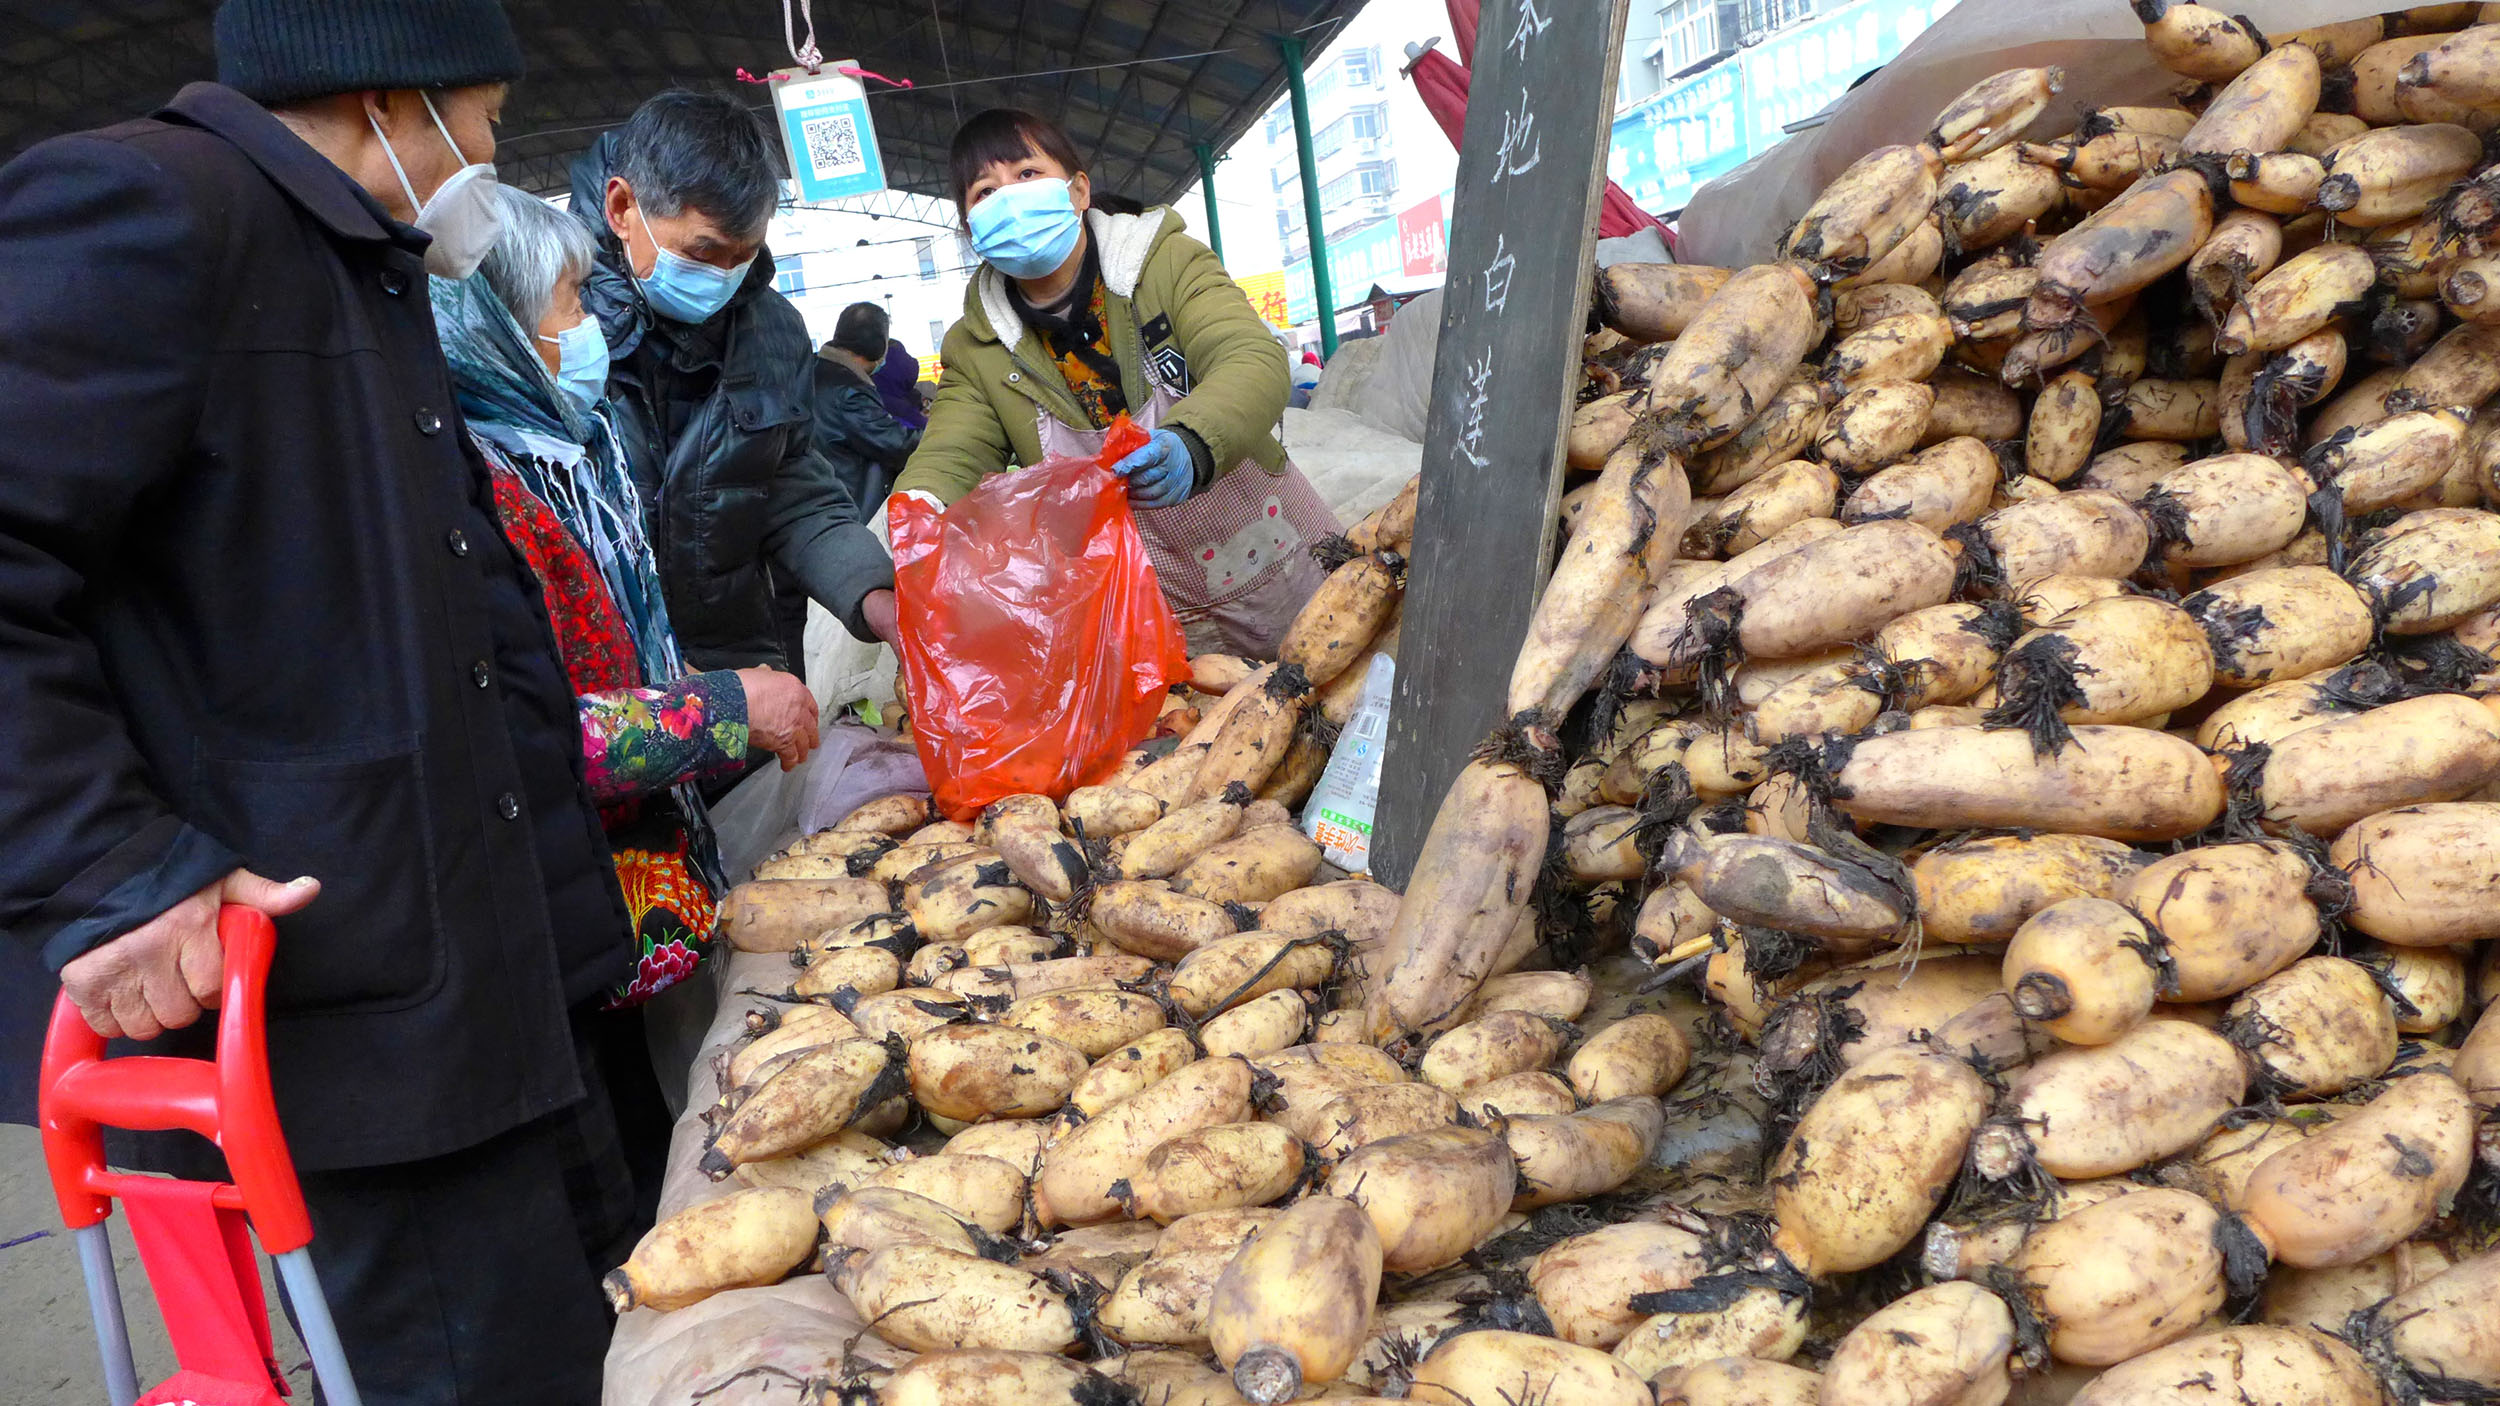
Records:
x=1206, y=184
x=1323, y=295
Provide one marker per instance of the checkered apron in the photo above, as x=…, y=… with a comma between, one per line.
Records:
x=1235, y=561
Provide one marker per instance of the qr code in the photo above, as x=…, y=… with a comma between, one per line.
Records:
x=833, y=146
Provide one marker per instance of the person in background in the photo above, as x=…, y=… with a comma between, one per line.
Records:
x=898, y=385
x=257, y=618
x=1305, y=379
x=864, y=442
x=710, y=388
x=529, y=367
x=1080, y=317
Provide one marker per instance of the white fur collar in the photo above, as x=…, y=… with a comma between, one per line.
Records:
x=1121, y=244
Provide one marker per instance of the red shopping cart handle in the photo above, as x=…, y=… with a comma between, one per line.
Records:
x=228, y=1101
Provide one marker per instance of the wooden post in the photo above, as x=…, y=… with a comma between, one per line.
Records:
x=1522, y=241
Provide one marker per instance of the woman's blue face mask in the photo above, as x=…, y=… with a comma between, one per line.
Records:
x=1026, y=230
x=581, y=362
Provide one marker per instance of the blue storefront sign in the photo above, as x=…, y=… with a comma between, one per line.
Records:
x=1797, y=72
x=1671, y=143
x=1356, y=260
x=1665, y=147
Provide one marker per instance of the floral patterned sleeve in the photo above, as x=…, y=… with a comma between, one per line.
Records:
x=638, y=741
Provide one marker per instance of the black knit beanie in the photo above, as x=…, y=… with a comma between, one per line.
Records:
x=277, y=52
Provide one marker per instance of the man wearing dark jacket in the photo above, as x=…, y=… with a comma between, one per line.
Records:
x=856, y=433
x=712, y=391
x=256, y=618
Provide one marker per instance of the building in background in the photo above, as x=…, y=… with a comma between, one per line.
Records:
x=1708, y=84
x=904, y=252
x=1358, y=135
x=1385, y=169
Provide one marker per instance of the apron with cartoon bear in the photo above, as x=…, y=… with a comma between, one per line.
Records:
x=1235, y=562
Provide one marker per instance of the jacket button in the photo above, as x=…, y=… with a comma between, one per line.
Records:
x=508, y=806
x=394, y=282
x=429, y=422
x=480, y=675
x=1014, y=376
x=458, y=541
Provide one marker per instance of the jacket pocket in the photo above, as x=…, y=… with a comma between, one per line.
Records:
x=729, y=548
x=354, y=818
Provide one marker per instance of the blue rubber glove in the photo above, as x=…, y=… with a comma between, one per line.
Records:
x=1161, y=474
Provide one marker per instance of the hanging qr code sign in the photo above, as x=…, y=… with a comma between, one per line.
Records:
x=824, y=123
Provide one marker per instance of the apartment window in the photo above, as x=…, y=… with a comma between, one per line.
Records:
x=790, y=281
x=937, y=333
x=1330, y=141
x=1337, y=192
x=1364, y=122
x=1361, y=65
x=1688, y=33
x=1376, y=180
x=926, y=251
x=1763, y=16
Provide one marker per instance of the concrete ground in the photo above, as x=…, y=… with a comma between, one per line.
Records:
x=48, y=1349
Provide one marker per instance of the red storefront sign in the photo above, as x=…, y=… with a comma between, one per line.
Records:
x=1422, y=239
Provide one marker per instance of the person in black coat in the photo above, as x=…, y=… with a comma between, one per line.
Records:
x=710, y=385
x=257, y=619
x=855, y=432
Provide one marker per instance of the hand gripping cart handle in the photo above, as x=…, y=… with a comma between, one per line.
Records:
x=191, y=1235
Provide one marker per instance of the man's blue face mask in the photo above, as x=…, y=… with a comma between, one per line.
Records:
x=682, y=289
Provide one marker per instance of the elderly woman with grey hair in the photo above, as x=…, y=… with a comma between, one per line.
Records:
x=529, y=369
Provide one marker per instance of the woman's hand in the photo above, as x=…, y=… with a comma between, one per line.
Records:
x=781, y=715
x=1161, y=474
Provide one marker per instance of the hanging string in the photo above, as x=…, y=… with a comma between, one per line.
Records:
x=847, y=70
x=946, y=66
x=807, y=55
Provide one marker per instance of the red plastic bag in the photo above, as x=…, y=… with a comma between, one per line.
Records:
x=1036, y=644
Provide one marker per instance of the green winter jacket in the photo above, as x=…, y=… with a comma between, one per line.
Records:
x=1170, y=299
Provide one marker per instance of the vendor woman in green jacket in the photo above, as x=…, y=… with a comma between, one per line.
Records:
x=1078, y=315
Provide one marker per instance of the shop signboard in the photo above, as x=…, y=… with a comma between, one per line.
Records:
x=1357, y=259
x=1266, y=292
x=1797, y=72
x=1666, y=146
x=1424, y=238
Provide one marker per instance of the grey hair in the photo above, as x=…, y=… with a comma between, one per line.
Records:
x=706, y=152
x=540, y=247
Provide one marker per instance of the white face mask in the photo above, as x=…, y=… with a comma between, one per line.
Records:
x=461, y=215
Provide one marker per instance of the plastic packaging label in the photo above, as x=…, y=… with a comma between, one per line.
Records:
x=1338, y=816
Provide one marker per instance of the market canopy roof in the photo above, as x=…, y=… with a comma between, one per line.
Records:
x=1211, y=67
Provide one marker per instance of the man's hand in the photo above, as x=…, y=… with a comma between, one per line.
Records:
x=160, y=975
x=781, y=715
x=878, y=607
